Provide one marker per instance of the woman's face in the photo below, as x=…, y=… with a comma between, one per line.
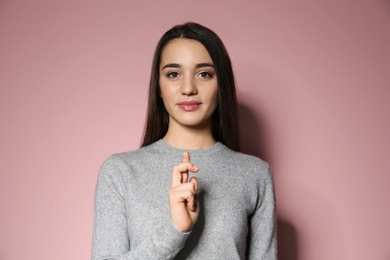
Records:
x=188, y=84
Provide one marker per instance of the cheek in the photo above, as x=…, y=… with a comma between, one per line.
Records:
x=167, y=89
x=166, y=95
x=163, y=90
x=214, y=100
x=214, y=95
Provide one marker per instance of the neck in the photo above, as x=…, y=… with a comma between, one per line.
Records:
x=189, y=138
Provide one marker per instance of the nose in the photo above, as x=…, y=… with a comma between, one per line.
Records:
x=188, y=87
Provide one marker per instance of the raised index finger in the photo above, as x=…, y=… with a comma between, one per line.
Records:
x=186, y=157
x=180, y=172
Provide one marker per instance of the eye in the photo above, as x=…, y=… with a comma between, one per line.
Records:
x=173, y=74
x=205, y=74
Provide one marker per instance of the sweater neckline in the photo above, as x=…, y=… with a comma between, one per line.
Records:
x=164, y=146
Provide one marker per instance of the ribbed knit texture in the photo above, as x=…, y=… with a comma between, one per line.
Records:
x=237, y=206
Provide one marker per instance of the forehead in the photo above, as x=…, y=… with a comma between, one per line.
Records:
x=184, y=50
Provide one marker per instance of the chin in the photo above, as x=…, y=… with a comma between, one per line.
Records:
x=197, y=125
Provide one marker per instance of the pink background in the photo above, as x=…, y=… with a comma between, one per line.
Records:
x=313, y=84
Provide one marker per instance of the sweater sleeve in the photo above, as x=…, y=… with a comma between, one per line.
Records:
x=262, y=243
x=110, y=234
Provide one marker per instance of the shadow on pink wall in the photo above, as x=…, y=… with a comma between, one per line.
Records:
x=253, y=141
x=287, y=241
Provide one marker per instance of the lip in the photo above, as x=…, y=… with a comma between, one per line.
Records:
x=189, y=105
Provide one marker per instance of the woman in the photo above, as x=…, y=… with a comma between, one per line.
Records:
x=187, y=193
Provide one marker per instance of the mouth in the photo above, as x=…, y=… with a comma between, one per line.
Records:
x=189, y=105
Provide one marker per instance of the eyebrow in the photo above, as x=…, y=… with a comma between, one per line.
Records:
x=199, y=65
x=205, y=64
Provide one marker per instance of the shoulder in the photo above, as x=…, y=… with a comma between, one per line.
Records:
x=251, y=161
x=129, y=158
x=119, y=169
x=251, y=176
x=121, y=165
x=252, y=167
x=245, y=160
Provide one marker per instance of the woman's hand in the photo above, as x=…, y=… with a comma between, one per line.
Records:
x=183, y=196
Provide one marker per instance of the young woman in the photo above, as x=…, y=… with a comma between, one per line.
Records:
x=187, y=193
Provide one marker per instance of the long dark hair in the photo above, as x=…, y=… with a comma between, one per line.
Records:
x=225, y=127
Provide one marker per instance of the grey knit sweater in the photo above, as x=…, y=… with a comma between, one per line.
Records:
x=236, y=197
